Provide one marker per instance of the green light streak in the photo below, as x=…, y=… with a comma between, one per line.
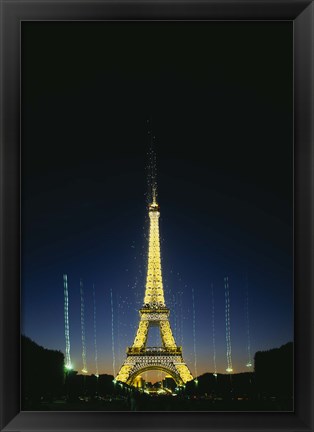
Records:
x=194, y=334
x=84, y=370
x=249, y=363
x=112, y=337
x=213, y=330
x=68, y=364
x=95, y=334
x=228, y=335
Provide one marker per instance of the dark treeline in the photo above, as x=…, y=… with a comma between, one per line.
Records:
x=42, y=372
x=274, y=372
x=271, y=381
x=46, y=385
x=86, y=386
x=227, y=387
x=45, y=380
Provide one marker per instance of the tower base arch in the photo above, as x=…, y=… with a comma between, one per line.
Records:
x=173, y=365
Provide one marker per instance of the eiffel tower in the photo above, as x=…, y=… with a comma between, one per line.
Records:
x=168, y=357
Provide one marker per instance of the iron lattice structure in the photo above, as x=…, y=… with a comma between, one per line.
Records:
x=168, y=357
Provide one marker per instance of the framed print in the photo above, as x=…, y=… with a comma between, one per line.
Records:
x=156, y=216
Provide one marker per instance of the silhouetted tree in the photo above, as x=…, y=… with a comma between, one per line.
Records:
x=42, y=372
x=223, y=385
x=274, y=372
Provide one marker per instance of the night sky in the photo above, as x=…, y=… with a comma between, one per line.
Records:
x=220, y=98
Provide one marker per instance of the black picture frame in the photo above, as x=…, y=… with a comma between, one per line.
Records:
x=12, y=13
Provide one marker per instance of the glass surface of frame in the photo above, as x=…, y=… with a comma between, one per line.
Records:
x=222, y=387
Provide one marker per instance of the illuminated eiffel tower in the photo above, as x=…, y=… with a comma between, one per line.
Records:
x=168, y=357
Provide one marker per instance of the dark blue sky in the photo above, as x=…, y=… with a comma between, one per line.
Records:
x=220, y=96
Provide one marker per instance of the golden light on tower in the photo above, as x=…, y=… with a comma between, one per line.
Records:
x=168, y=357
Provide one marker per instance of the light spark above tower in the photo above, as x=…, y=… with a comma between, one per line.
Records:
x=152, y=166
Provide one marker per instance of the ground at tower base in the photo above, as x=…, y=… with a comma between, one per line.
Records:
x=47, y=387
